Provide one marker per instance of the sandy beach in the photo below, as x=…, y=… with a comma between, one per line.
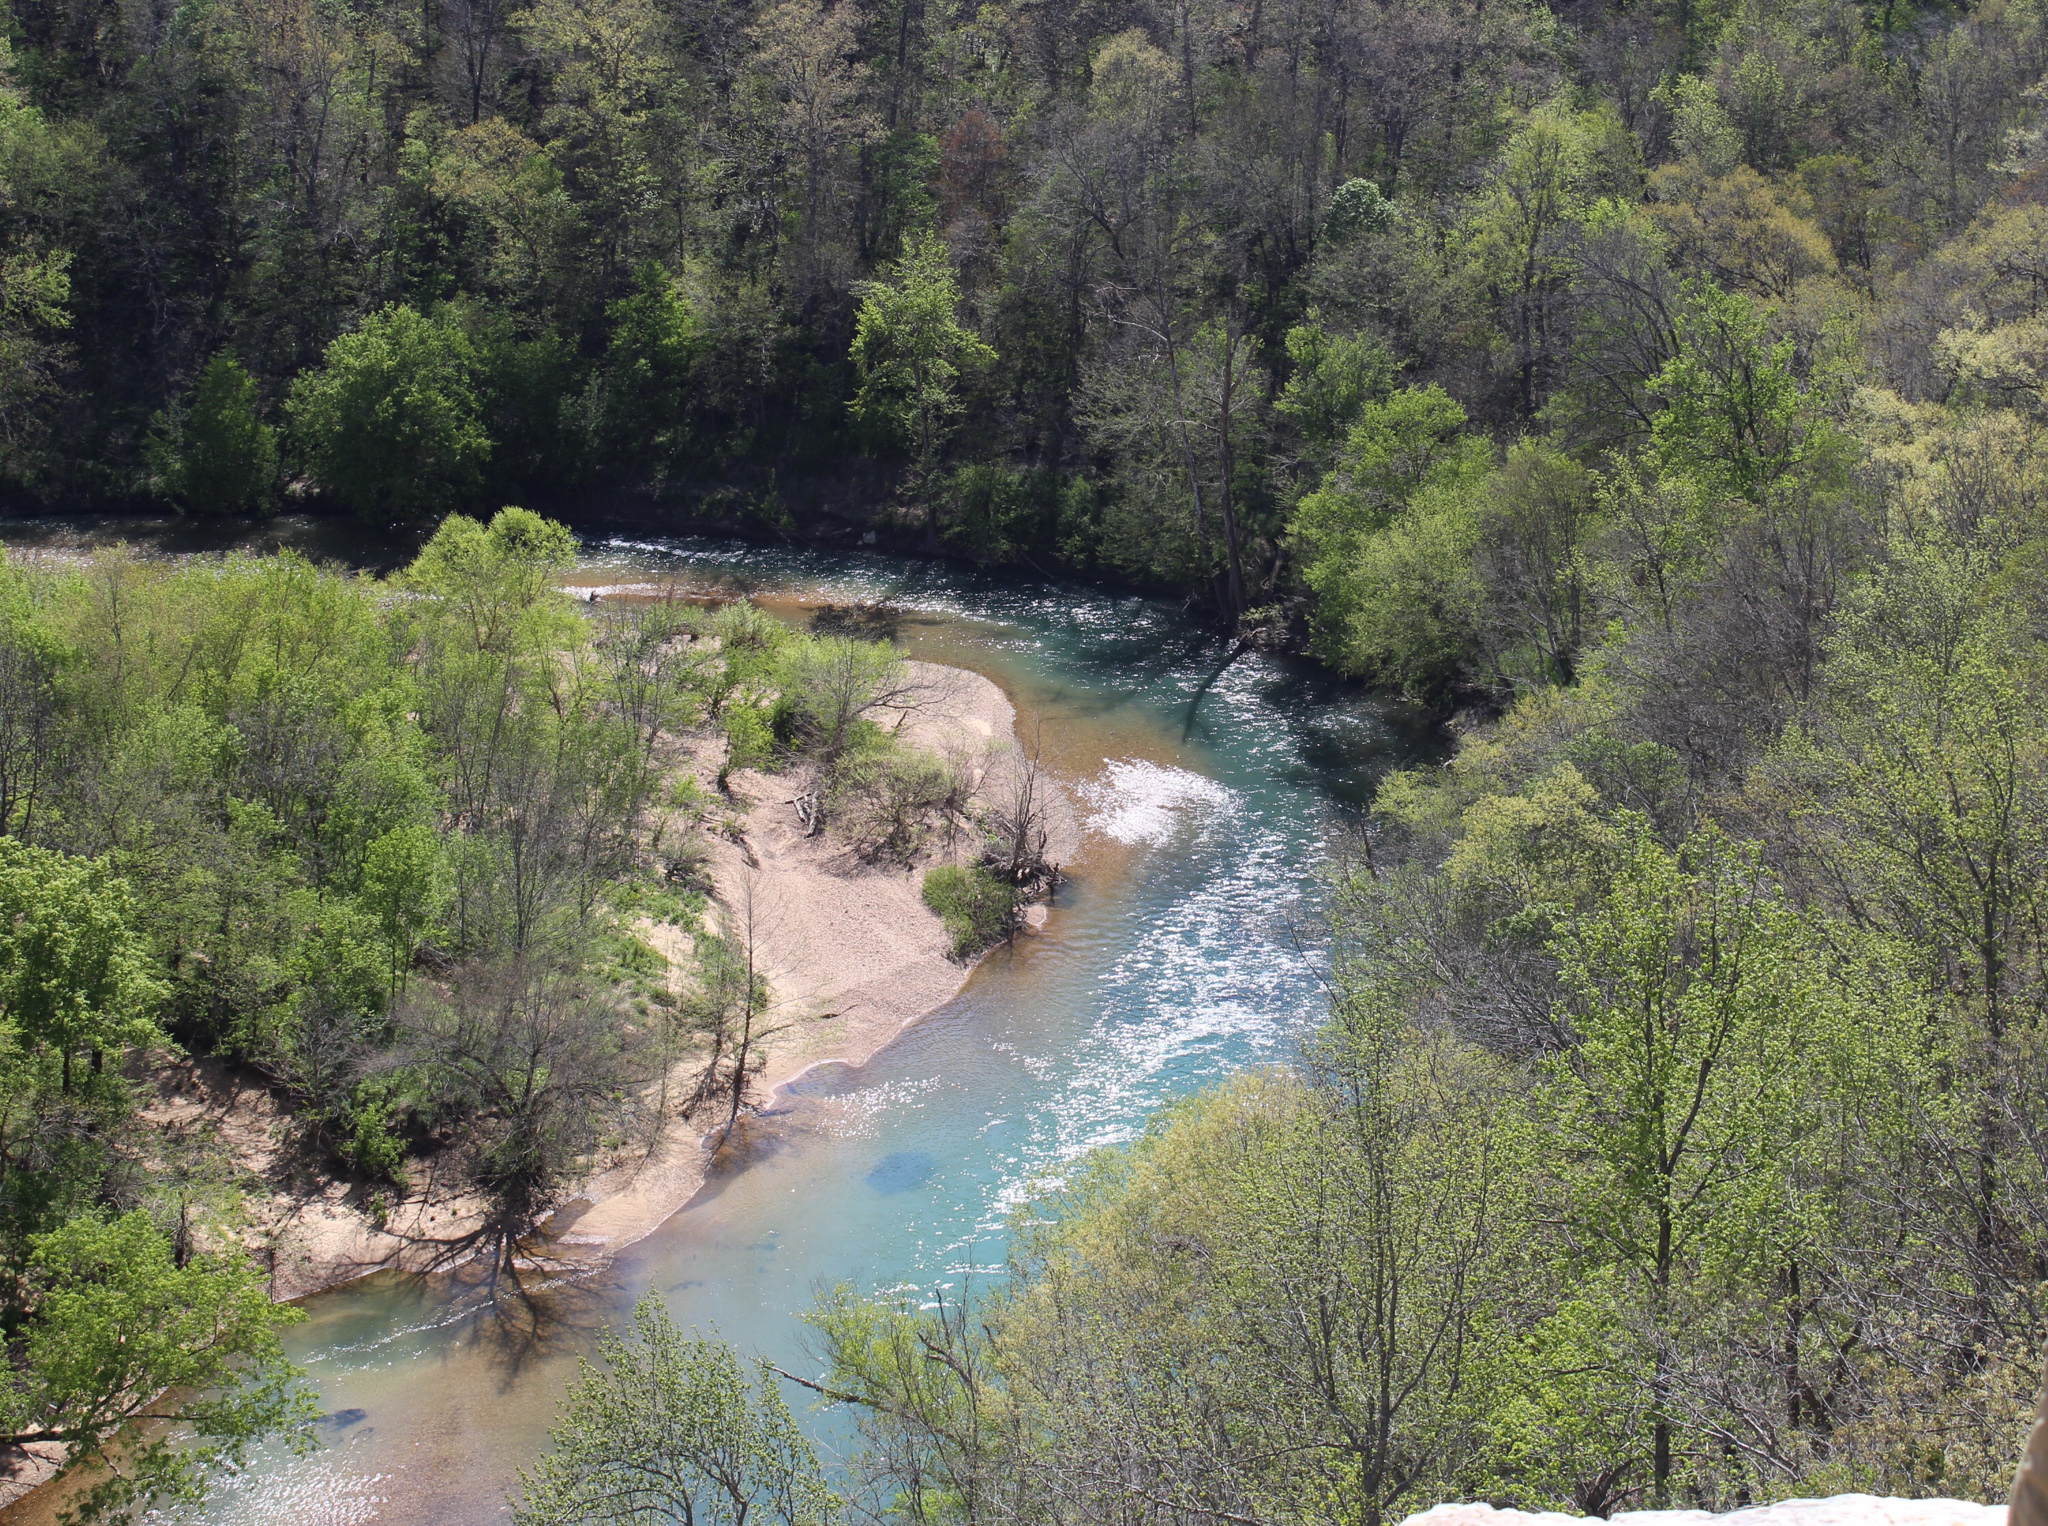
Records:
x=851, y=953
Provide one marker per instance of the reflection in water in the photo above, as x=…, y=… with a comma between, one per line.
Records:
x=1181, y=950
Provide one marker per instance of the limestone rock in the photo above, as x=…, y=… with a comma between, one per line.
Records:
x=1842, y=1510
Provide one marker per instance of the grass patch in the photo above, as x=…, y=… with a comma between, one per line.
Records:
x=979, y=909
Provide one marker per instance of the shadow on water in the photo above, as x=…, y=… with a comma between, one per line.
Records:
x=860, y=622
x=536, y=1313
x=322, y=537
x=905, y=1171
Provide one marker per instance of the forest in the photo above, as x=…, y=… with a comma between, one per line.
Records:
x=1655, y=391
x=1352, y=320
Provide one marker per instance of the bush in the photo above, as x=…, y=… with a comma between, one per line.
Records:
x=391, y=421
x=889, y=801
x=749, y=739
x=370, y=1143
x=978, y=908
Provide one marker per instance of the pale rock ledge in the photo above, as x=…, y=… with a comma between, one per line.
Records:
x=1841, y=1510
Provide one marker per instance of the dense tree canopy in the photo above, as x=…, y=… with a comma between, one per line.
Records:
x=750, y=267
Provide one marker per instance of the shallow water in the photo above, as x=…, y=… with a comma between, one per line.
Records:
x=1183, y=948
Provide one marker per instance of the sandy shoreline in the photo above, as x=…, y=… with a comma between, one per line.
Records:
x=852, y=957
x=851, y=953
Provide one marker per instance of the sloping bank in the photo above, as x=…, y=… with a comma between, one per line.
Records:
x=852, y=956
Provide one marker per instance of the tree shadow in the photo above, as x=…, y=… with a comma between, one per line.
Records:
x=542, y=1307
x=859, y=622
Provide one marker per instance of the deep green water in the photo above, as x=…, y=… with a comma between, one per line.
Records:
x=1185, y=948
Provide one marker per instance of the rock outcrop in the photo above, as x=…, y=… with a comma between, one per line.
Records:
x=1841, y=1510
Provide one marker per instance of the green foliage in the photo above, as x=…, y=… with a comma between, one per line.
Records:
x=759, y=272
x=223, y=459
x=391, y=422
x=1335, y=378
x=667, y=1427
x=404, y=885
x=1731, y=404
x=1357, y=207
x=655, y=343
x=1698, y=1001
x=123, y=1339
x=1416, y=436
x=74, y=975
x=1389, y=540
x=832, y=688
x=369, y=1146
x=978, y=907
x=992, y=513
x=495, y=584
x=912, y=353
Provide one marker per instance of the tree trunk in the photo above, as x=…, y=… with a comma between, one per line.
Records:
x=1234, y=585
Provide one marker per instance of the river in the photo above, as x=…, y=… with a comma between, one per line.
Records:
x=1183, y=948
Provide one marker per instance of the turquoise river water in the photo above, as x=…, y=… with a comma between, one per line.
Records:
x=1183, y=948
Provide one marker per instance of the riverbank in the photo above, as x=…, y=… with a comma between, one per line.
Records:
x=851, y=954
x=852, y=957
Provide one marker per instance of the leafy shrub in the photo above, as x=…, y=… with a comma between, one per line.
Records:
x=749, y=740
x=889, y=801
x=369, y=1145
x=978, y=908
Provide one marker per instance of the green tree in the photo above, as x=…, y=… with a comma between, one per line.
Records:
x=1545, y=180
x=404, y=887
x=833, y=688
x=1414, y=436
x=656, y=339
x=1540, y=518
x=1917, y=797
x=495, y=583
x=391, y=421
x=665, y=1428
x=224, y=457
x=157, y=1375
x=1387, y=542
x=1731, y=406
x=43, y=163
x=74, y=974
x=1693, y=994
x=910, y=351
x=1335, y=378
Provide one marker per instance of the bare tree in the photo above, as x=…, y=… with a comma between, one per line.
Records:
x=1019, y=829
x=478, y=27
x=732, y=1008
x=533, y=1064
